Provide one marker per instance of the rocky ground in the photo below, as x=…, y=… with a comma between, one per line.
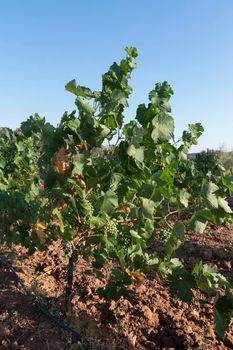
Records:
x=148, y=318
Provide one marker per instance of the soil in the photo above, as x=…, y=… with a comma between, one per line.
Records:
x=148, y=318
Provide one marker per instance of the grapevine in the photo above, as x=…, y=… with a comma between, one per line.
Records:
x=106, y=203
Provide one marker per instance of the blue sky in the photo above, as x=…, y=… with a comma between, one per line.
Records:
x=46, y=43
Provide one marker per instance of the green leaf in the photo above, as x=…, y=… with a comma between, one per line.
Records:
x=151, y=192
x=206, y=214
x=104, y=131
x=67, y=233
x=210, y=190
x=167, y=175
x=198, y=225
x=136, y=153
x=131, y=51
x=58, y=214
x=134, y=133
x=148, y=207
x=110, y=122
x=223, y=312
x=74, y=126
x=79, y=161
x=152, y=260
x=167, y=266
x=116, y=286
x=199, y=220
x=184, y=198
x=178, y=230
x=224, y=205
x=78, y=90
x=98, y=222
x=181, y=284
x=191, y=136
x=163, y=127
x=85, y=110
x=115, y=180
x=142, y=116
x=134, y=234
x=108, y=202
x=208, y=277
x=175, y=239
x=100, y=258
x=2, y=163
x=120, y=253
x=71, y=86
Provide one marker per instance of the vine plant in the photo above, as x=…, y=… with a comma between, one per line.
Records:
x=106, y=187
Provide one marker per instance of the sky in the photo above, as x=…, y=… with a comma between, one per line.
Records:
x=44, y=44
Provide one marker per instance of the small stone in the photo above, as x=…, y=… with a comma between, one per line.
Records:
x=229, y=340
x=131, y=339
x=210, y=333
x=187, y=341
x=147, y=312
x=196, y=337
x=151, y=317
x=112, y=305
x=195, y=314
x=188, y=330
x=48, y=270
x=4, y=331
x=141, y=289
x=227, y=264
x=126, y=304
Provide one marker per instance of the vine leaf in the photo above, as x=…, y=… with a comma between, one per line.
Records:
x=163, y=127
x=181, y=284
x=223, y=312
x=108, y=202
x=175, y=239
x=224, y=205
x=184, y=198
x=136, y=153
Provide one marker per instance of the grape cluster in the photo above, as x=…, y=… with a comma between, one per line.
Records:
x=164, y=235
x=112, y=228
x=67, y=247
x=125, y=240
x=86, y=208
x=86, y=212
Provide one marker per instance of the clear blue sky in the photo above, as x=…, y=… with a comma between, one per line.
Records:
x=189, y=43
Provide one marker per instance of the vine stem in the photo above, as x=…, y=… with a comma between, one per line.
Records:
x=70, y=277
x=154, y=217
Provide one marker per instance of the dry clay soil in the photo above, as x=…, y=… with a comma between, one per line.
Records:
x=148, y=318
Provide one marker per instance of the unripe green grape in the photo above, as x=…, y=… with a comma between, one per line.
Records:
x=111, y=228
x=86, y=208
x=124, y=239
